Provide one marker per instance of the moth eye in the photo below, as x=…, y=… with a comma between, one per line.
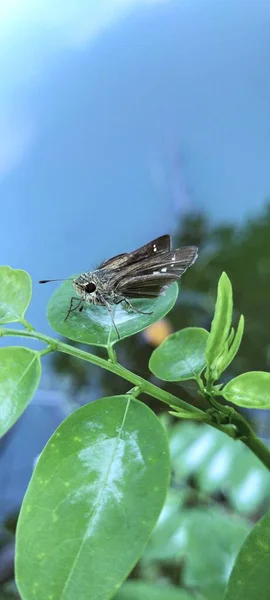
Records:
x=90, y=287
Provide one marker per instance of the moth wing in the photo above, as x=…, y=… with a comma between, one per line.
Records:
x=160, y=244
x=116, y=262
x=150, y=278
x=145, y=286
x=165, y=265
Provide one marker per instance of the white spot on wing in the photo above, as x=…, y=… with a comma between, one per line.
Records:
x=164, y=270
x=154, y=248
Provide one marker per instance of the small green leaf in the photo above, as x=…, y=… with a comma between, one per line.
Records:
x=20, y=372
x=185, y=414
x=181, y=356
x=94, y=498
x=250, y=577
x=140, y=590
x=94, y=325
x=233, y=346
x=230, y=339
x=251, y=390
x=221, y=324
x=15, y=294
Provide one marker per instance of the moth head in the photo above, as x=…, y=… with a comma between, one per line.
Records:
x=83, y=286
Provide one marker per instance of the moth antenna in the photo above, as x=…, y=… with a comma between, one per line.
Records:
x=49, y=280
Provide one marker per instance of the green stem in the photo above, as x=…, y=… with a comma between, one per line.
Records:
x=243, y=429
x=248, y=437
x=113, y=367
x=111, y=353
x=27, y=325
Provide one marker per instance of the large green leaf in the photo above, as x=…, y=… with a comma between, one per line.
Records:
x=251, y=390
x=93, y=500
x=140, y=590
x=181, y=356
x=20, y=371
x=94, y=325
x=250, y=577
x=15, y=294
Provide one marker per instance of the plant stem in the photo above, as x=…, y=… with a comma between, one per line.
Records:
x=243, y=429
x=248, y=437
x=113, y=367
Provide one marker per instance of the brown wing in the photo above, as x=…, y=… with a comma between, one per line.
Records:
x=150, y=277
x=160, y=244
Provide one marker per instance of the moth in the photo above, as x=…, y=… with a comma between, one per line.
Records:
x=143, y=273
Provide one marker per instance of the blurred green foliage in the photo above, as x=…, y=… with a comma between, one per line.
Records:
x=218, y=489
x=244, y=254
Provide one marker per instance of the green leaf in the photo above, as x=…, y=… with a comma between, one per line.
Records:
x=94, y=325
x=179, y=413
x=233, y=346
x=139, y=590
x=94, y=498
x=20, y=372
x=251, y=390
x=250, y=577
x=181, y=356
x=15, y=294
x=221, y=324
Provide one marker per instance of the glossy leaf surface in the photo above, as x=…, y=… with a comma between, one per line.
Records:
x=181, y=356
x=15, y=294
x=20, y=372
x=93, y=500
x=94, y=325
x=251, y=390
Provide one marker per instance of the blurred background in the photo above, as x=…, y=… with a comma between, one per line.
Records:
x=122, y=120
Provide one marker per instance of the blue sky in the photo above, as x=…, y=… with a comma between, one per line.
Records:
x=117, y=116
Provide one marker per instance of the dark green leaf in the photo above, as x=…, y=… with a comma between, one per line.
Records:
x=20, y=372
x=15, y=294
x=251, y=390
x=94, y=326
x=93, y=500
x=221, y=324
x=250, y=577
x=181, y=356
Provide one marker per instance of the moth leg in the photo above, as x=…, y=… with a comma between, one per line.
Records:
x=71, y=309
x=141, y=312
x=111, y=314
